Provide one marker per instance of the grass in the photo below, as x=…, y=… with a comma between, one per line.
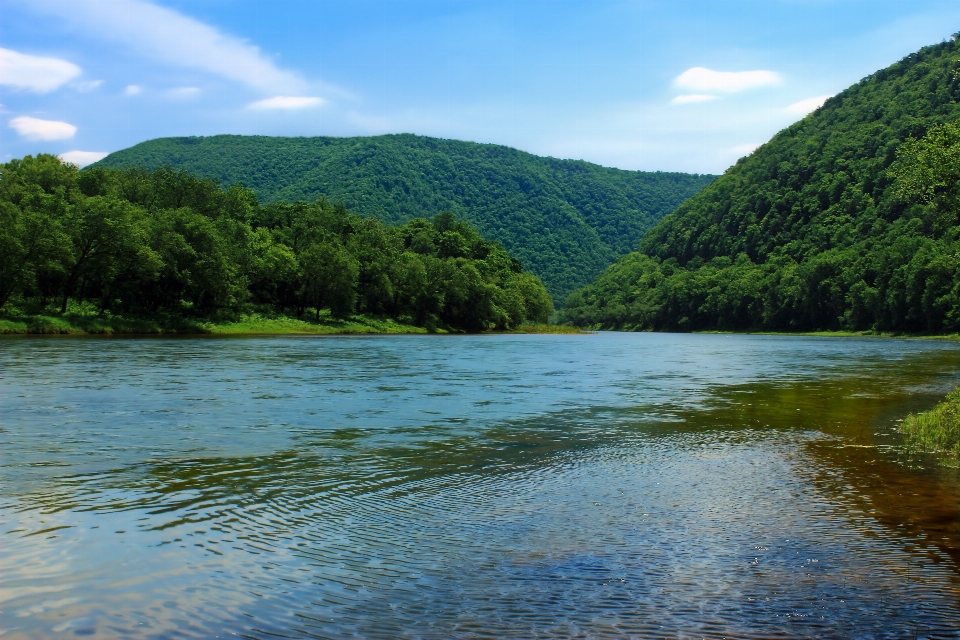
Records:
x=249, y=324
x=936, y=430
x=86, y=322
x=544, y=328
x=355, y=324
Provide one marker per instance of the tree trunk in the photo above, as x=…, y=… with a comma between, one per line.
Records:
x=68, y=287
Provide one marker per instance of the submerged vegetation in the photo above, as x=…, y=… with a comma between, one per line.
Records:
x=936, y=430
x=109, y=250
x=566, y=220
x=847, y=220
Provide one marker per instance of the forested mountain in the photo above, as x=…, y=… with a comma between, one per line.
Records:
x=167, y=244
x=845, y=220
x=565, y=220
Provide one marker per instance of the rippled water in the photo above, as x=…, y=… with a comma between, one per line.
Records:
x=642, y=485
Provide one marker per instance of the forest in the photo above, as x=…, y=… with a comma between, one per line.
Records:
x=169, y=245
x=846, y=220
x=566, y=220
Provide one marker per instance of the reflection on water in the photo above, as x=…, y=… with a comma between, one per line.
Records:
x=511, y=486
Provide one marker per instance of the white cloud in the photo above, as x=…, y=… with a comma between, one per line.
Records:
x=87, y=87
x=183, y=93
x=132, y=90
x=34, y=73
x=287, y=102
x=83, y=158
x=745, y=149
x=701, y=79
x=692, y=97
x=36, y=129
x=169, y=36
x=806, y=106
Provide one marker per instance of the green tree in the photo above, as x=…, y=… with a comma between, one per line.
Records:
x=100, y=231
x=330, y=276
x=928, y=171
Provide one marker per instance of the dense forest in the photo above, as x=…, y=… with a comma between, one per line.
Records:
x=167, y=244
x=565, y=220
x=845, y=220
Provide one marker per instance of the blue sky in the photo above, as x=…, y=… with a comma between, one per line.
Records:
x=658, y=85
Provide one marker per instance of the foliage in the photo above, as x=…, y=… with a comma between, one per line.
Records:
x=937, y=430
x=928, y=170
x=565, y=220
x=165, y=244
x=845, y=220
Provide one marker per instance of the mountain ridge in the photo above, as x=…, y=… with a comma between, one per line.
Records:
x=814, y=230
x=566, y=219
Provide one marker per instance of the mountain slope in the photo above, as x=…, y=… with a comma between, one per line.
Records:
x=565, y=220
x=814, y=230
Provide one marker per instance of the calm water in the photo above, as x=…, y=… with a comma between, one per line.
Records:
x=642, y=485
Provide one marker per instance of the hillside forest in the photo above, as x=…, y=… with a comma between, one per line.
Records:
x=846, y=220
x=166, y=244
x=566, y=220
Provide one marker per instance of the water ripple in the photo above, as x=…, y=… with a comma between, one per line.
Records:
x=517, y=486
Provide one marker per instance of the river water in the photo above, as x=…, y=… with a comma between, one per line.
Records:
x=621, y=485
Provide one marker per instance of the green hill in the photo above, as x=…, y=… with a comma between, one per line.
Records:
x=844, y=220
x=565, y=220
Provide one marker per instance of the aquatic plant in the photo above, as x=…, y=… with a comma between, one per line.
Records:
x=936, y=430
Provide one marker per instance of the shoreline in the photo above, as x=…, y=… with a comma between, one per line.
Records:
x=250, y=325
x=842, y=334
x=357, y=324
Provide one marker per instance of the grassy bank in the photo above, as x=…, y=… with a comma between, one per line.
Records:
x=80, y=324
x=936, y=430
x=252, y=324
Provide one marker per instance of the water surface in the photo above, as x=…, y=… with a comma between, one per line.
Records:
x=645, y=485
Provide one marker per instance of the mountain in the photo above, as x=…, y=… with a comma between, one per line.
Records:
x=565, y=220
x=845, y=220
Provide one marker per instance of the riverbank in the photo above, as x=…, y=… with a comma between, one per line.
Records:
x=252, y=324
x=841, y=334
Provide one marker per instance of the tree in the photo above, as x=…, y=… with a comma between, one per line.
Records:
x=928, y=171
x=330, y=276
x=100, y=230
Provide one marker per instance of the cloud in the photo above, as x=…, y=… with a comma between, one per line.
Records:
x=83, y=158
x=701, y=79
x=132, y=90
x=86, y=87
x=806, y=106
x=34, y=73
x=287, y=102
x=183, y=93
x=36, y=129
x=745, y=149
x=169, y=36
x=692, y=97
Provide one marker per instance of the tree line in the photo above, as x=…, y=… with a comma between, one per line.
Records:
x=165, y=243
x=567, y=220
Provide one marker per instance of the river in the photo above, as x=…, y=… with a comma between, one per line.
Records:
x=600, y=485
